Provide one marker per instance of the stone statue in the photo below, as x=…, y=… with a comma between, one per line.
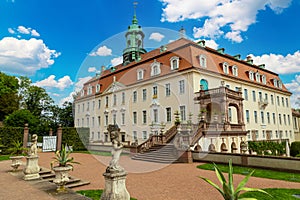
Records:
x=116, y=151
x=33, y=148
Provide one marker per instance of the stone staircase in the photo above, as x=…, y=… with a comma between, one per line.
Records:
x=47, y=174
x=159, y=153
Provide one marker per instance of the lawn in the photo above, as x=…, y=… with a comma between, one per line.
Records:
x=4, y=157
x=262, y=173
x=93, y=194
x=99, y=153
x=277, y=193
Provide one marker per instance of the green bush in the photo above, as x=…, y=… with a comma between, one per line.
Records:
x=295, y=149
x=8, y=135
x=262, y=147
x=78, y=138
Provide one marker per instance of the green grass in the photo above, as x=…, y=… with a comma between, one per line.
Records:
x=262, y=173
x=93, y=194
x=277, y=194
x=4, y=157
x=99, y=153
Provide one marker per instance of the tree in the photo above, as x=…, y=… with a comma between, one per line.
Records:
x=21, y=117
x=66, y=118
x=9, y=100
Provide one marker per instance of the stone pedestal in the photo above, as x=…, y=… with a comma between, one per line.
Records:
x=115, y=187
x=16, y=162
x=32, y=168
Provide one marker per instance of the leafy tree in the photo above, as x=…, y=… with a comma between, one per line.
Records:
x=9, y=100
x=66, y=118
x=21, y=117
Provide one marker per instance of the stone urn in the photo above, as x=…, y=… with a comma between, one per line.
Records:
x=61, y=177
x=16, y=162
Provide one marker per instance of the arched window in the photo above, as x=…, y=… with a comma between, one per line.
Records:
x=174, y=62
x=251, y=75
x=280, y=84
x=155, y=68
x=235, y=70
x=202, y=60
x=140, y=74
x=257, y=76
x=98, y=88
x=275, y=82
x=204, y=84
x=264, y=79
x=225, y=68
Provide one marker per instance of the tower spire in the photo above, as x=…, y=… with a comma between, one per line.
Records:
x=134, y=20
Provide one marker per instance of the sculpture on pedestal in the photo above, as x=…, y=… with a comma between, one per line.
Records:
x=115, y=175
x=32, y=168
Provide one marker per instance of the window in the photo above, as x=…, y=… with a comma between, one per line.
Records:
x=93, y=121
x=246, y=94
x=280, y=119
x=182, y=113
x=266, y=97
x=92, y=137
x=106, y=101
x=255, y=116
x=83, y=107
x=93, y=105
x=82, y=122
x=274, y=119
x=89, y=90
x=272, y=99
x=154, y=92
x=88, y=106
x=115, y=99
x=276, y=134
x=257, y=77
x=225, y=68
x=254, y=95
x=278, y=103
x=140, y=74
x=262, y=115
x=181, y=87
x=134, y=96
x=134, y=117
x=264, y=79
x=144, y=117
x=123, y=118
x=106, y=120
x=174, y=62
x=155, y=68
x=282, y=101
x=134, y=135
x=77, y=122
x=275, y=82
x=99, y=120
x=280, y=84
x=202, y=60
x=289, y=120
x=123, y=98
x=169, y=114
x=98, y=88
x=247, y=116
x=284, y=119
x=145, y=135
x=235, y=70
x=155, y=116
x=99, y=104
x=268, y=118
x=287, y=102
x=144, y=94
x=87, y=122
x=230, y=114
x=168, y=89
x=203, y=84
x=251, y=75
x=260, y=96
x=114, y=119
x=295, y=123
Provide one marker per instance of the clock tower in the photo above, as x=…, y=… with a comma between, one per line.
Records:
x=134, y=42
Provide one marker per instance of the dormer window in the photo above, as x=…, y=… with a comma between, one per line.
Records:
x=225, y=68
x=155, y=68
x=202, y=60
x=89, y=92
x=264, y=79
x=275, y=82
x=251, y=75
x=235, y=70
x=140, y=74
x=82, y=93
x=174, y=62
x=98, y=88
x=257, y=76
x=280, y=84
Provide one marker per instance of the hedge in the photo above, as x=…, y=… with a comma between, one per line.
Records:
x=8, y=135
x=295, y=149
x=78, y=138
x=262, y=147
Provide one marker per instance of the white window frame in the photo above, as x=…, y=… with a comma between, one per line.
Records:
x=168, y=89
x=181, y=87
x=173, y=60
x=155, y=68
x=234, y=69
x=98, y=87
x=182, y=113
x=140, y=74
x=202, y=61
x=251, y=75
x=264, y=79
x=225, y=68
x=257, y=77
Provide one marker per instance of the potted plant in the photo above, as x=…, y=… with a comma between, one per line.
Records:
x=64, y=161
x=16, y=152
x=177, y=118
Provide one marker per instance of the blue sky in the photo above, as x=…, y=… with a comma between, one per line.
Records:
x=59, y=44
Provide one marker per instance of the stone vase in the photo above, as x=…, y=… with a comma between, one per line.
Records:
x=32, y=168
x=61, y=177
x=16, y=162
x=115, y=187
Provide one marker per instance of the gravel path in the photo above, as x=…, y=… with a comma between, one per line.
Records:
x=145, y=181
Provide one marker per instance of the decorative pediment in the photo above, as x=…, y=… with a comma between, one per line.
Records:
x=114, y=87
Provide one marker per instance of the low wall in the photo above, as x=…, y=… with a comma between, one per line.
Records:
x=270, y=162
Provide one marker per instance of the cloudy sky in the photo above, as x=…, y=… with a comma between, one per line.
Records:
x=59, y=43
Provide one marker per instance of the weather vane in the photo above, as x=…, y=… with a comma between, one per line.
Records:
x=134, y=6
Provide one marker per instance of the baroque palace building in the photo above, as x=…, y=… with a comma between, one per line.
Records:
x=238, y=100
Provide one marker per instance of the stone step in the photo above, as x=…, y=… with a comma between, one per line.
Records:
x=156, y=160
x=47, y=176
x=77, y=184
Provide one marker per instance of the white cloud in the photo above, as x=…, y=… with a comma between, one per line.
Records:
x=27, y=31
x=102, y=51
x=221, y=16
x=35, y=33
x=11, y=31
x=25, y=57
x=279, y=63
x=294, y=87
x=156, y=37
x=92, y=69
x=50, y=82
x=211, y=44
x=116, y=61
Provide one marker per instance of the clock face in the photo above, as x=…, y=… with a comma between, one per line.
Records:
x=139, y=37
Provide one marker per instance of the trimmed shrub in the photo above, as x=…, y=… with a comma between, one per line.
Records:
x=8, y=136
x=78, y=138
x=267, y=147
x=295, y=149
